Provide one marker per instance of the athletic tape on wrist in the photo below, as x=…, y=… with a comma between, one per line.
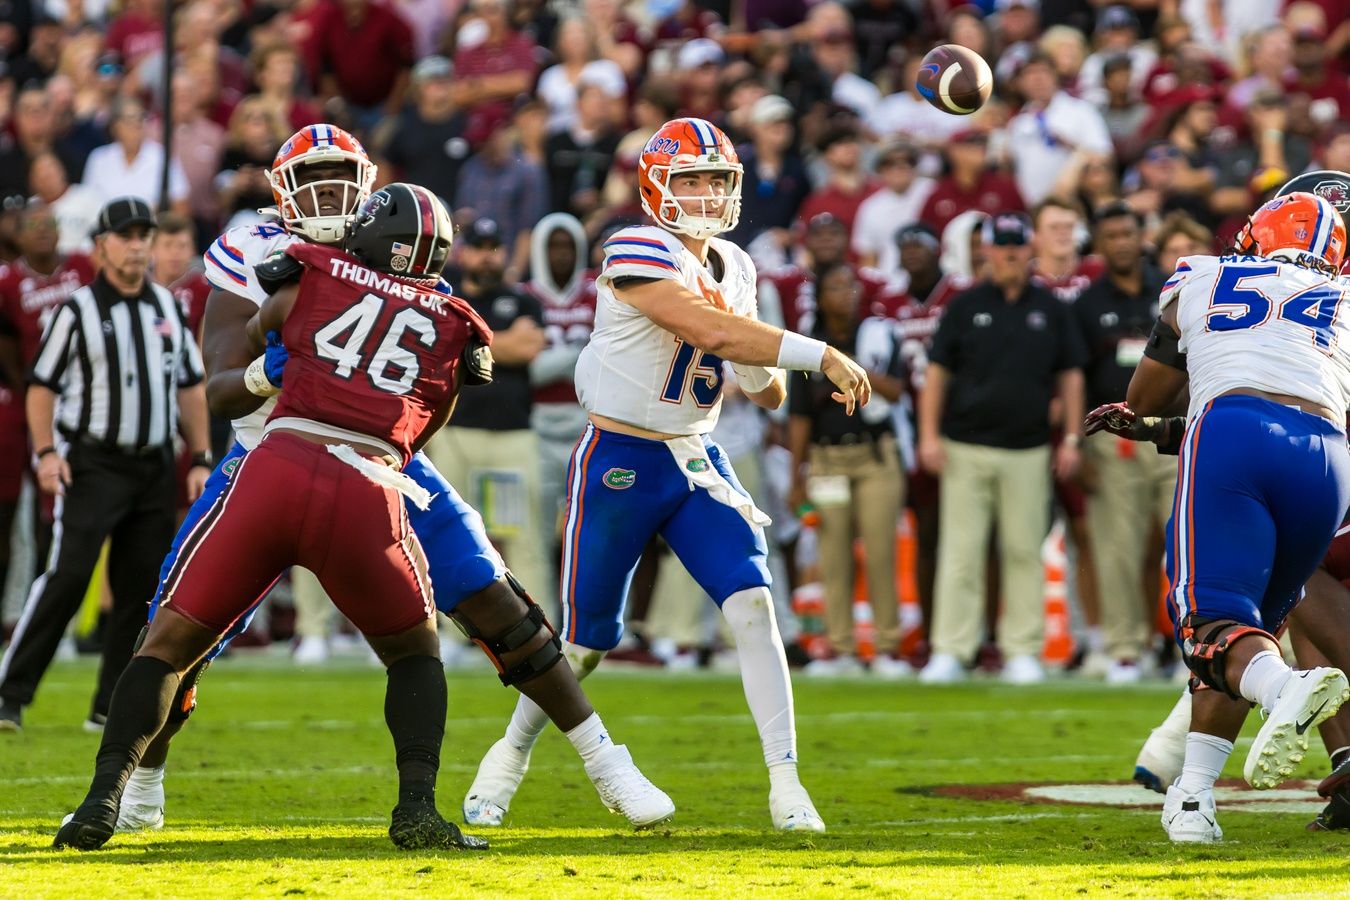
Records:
x=800, y=353
x=255, y=379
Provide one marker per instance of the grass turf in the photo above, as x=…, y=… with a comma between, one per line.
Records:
x=282, y=783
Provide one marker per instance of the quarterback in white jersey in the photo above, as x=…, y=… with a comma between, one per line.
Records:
x=1264, y=481
x=675, y=302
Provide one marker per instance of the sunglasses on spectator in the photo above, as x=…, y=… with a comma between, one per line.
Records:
x=1162, y=154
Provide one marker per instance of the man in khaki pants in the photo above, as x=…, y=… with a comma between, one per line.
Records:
x=1130, y=484
x=1003, y=351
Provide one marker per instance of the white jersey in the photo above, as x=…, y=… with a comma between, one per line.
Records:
x=1254, y=322
x=229, y=266
x=636, y=372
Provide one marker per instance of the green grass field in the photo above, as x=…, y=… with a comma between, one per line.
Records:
x=282, y=783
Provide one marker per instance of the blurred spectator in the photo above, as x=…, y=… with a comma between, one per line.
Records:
x=846, y=184
x=132, y=164
x=1097, y=183
x=498, y=183
x=580, y=155
x=578, y=63
x=1051, y=126
x=197, y=46
x=968, y=183
x=1116, y=37
x=1319, y=78
x=175, y=264
x=897, y=204
x=698, y=72
x=74, y=205
x=39, y=61
x=1120, y=106
x=906, y=115
x=1129, y=485
x=880, y=27
x=1272, y=146
x=616, y=37
x=34, y=131
x=489, y=452
x=1178, y=236
x=529, y=122
x=1153, y=188
x=136, y=31
x=847, y=467
x=787, y=295
x=276, y=74
x=425, y=144
x=365, y=51
x=493, y=65
x=1057, y=266
x=962, y=250
x=1227, y=27
x=430, y=19
x=1270, y=60
x=830, y=73
x=1335, y=150
x=1002, y=352
x=199, y=145
x=1066, y=48
x=775, y=181
x=242, y=185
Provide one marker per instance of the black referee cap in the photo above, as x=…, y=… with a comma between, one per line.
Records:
x=122, y=213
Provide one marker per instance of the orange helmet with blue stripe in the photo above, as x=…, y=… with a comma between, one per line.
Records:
x=682, y=146
x=1304, y=226
x=317, y=144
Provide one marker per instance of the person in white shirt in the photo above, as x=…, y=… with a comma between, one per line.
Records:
x=75, y=206
x=898, y=203
x=132, y=165
x=1050, y=127
x=1116, y=34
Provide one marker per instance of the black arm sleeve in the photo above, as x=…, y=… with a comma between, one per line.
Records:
x=1176, y=434
x=277, y=272
x=1162, y=346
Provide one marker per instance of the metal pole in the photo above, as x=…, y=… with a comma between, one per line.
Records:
x=166, y=88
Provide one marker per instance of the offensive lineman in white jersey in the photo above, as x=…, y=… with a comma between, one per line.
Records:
x=674, y=302
x=1264, y=482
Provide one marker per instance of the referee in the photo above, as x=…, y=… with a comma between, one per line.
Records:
x=116, y=375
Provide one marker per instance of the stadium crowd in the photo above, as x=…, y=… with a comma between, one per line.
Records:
x=1120, y=138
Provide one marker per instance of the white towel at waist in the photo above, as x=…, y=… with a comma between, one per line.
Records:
x=692, y=458
x=382, y=474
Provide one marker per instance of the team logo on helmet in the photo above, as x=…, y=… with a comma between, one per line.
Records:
x=1334, y=192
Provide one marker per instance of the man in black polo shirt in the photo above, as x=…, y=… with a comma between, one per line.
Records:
x=1131, y=484
x=488, y=450
x=1003, y=351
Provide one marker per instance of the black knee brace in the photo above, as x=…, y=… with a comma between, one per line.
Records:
x=185, y=701
x=1204, y=647
x=515, y=637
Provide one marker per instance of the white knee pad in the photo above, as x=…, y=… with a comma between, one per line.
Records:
x=750, y=615
x=583, y=660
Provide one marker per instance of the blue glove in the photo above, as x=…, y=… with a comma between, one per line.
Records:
x=274, y=357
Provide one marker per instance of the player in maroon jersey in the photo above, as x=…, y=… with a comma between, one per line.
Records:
x=792, y=289
x=377, y=356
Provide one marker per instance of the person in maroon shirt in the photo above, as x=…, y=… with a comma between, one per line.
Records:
x=969, y=183
x=136, y=32
x=1319, y=77
x=365, y=53
x=30, y=288
x=847, y=185
x=490, y=74
x=792, y=289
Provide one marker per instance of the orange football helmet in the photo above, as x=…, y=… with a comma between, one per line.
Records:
x=1300, y=223
x=690, y=145
x=320, y=144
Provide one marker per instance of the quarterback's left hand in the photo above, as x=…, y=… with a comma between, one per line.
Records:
x=274, y=358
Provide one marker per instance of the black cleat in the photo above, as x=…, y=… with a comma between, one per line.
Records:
x=1335, y=817
x=421, y=827
x=88, y=828
x=11, y=716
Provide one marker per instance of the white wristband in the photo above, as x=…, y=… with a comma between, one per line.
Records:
x=255, y=379
x=801, y=353
x=754, y=379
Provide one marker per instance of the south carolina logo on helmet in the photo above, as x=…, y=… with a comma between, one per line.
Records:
x=682, y=146
x=320, y=144
x=1304, y=227
x=403, y=230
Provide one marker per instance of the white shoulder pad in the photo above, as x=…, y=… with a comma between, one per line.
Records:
x=642, y=252
x=231, y=257
x=1189, y=269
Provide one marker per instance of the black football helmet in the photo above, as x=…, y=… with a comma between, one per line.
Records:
x=403, y=230
x=1329, y=184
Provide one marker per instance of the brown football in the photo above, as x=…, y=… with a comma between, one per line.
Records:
x=955, y=80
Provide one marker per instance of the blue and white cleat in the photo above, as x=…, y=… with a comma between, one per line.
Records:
x=792, y=810
x=499, y=776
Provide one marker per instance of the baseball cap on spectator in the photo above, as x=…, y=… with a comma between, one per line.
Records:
x=917, y=233
x=1114, y=17
x=700, y=52
x=825, y=220
x=1007, y=229
x=482, y=232
x=606, y=76
x=123, y=213
x=897, y=151
x=771, y=108
x=431, y=67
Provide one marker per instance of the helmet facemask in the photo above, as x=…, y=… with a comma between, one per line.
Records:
x=351, y=193
x=671, y=212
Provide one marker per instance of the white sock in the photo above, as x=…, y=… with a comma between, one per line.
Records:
x=764, y=675
x=1095, y=642
x=1205, y=759
x=1264, y=678
x=145, y=785
x=528, y=721
x=590, y=737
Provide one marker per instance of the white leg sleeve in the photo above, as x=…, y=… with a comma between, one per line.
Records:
x=764, y=673
x=528, y=721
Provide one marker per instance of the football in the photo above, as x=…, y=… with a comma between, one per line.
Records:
x=955, y=79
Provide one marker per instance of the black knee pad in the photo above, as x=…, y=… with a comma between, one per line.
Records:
x=185, y=701
x=1204, y=647
x=513, y=638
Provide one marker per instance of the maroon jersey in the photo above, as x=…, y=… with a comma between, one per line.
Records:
x=191, y=290
x=795, y=289
x=370, y=352
x=568, y=321
x=1068, y=287
x=918, y=322
x=27, y=298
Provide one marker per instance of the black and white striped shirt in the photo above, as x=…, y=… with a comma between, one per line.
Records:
x=117, y=364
